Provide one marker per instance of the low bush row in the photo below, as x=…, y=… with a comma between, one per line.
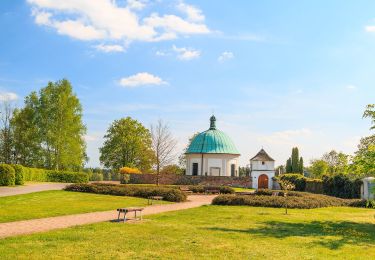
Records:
x=16, y=175
x=300, y=200
x=340, y=186
x=169, y=194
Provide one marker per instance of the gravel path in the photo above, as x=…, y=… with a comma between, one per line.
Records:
x=45, y=224
x=30, y=187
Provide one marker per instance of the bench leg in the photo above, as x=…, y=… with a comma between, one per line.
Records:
x=135, y=215
x=124, y=216
x=118, y=217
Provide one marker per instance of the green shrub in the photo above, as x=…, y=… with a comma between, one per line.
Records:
x=115, y=176
x=124, y=178
x=297, y=179
x=169, y=194
x=96, y=176
x=7, y=175
x=314, y=186
x=301, y=200
x=362, y=203
x=35, y=174
x=342, y=186
x=267, y=192
x=19, y=174
x=65, y=176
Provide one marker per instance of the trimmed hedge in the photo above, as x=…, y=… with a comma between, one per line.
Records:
x=64, y=176
x=22, y=174
x=35, y=174
x=297, y=179
x=342, y=186
x=168, y=194
x=7, y=175
x=294, y=200
x=314, y=186
x=19, y=174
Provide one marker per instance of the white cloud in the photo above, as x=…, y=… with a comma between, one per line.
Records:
x=90, y=138
x=140, y=79
x=186, y=53
x=193, y=13
x=108, y=20
x=287, y=137
x=78, y=30
x=8, y=96
x=351, y=87
x=173, y=24
x=109, y=48
x=136, y=4
x=226, y=55
x=161, y=53
x=370, y=28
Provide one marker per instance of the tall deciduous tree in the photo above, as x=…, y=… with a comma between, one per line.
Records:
x=364, y=159
x=53, y=122
x=127, y=143
x=318, y=168
x=370, y=113
x=6, y=140
x=61, y=126
x=338, y=162
x=26, y=134
x=163, y=145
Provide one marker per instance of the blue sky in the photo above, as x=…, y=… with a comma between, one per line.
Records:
x=276, y=73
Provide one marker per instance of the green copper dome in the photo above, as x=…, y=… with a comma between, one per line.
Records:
x=212, y=141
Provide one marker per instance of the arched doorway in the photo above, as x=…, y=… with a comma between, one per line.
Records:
x=263, y=181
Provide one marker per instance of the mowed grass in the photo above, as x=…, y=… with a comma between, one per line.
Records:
x=211, y=232
x=238, y=189
x=57, y=203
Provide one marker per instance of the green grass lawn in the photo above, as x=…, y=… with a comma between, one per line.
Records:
x=238, y=189
x=57, y=203
x=211, y=232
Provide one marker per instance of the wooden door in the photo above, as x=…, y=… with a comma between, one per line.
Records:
x=263, y=181
x=195, y=169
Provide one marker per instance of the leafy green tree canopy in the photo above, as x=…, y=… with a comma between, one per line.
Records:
x=49, y=131
x=127, y=143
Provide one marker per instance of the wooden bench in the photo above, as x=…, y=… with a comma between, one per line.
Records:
x=185, y=190
x=211, y=191
x=152, y=198
x=126, y=210
x=275, y=193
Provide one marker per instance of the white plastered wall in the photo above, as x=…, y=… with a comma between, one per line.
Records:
x=222, y=161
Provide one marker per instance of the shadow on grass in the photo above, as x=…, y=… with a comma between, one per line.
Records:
x=332, y=235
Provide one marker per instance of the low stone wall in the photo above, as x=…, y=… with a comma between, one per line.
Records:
x=174, y=179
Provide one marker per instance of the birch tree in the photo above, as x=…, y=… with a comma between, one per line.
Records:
x=163, y=145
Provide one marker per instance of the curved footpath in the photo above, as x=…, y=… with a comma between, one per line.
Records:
x=45, y=224
x=31, y=187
